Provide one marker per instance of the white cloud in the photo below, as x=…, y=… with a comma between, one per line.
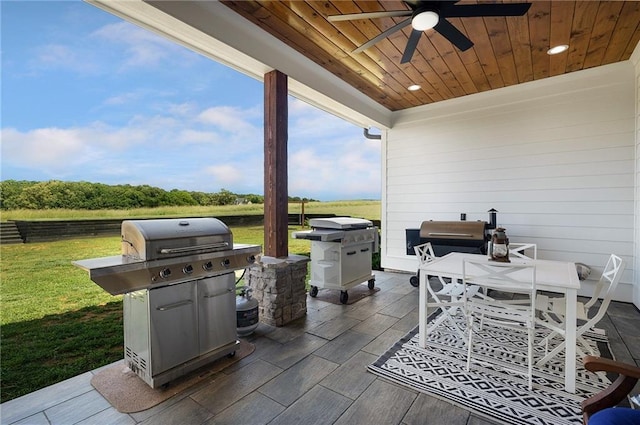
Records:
x=231, y=119
x=160, y=148
x=55, y=54
x=143, y=48
x=58, y=56
x=354, y=171
x=298, y=107
x=58, y=151
x=113, y=48
x=189, y=136
x=226, y=174
x=204, y=150
x=52, y=149
x=306, y=121
x=123, y=98
x=181, y=109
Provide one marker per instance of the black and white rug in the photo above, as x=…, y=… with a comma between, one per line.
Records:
x=488, y=389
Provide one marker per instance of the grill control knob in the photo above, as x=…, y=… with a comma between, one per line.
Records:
x=226, y=262
x=165, y=273
x=251, y=258
x=188, y=269
x=207, y=266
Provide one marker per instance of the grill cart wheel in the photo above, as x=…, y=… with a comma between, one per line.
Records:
x=314, y=291
x=372, y=283
x=231, y=354
x=415, y=281
x=344, y=297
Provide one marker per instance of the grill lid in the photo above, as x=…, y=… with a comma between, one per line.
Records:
x=460, y=230
x=167, y=238
x=342, y=223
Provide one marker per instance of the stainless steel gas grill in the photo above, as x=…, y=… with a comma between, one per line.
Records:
x=179, y=293
x=341, y=250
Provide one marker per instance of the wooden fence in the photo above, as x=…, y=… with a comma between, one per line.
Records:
x=52, y=230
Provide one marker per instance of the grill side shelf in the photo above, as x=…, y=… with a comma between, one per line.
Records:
x=194, y=249
x=120, y=274
x=451, y=235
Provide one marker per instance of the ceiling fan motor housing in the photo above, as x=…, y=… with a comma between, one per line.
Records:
x=425, y=18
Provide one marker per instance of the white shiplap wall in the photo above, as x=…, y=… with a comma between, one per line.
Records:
x=555, y=157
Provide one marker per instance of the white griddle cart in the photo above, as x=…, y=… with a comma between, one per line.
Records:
x=341, y=250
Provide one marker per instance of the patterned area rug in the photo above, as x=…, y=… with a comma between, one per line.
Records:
x=488, y=389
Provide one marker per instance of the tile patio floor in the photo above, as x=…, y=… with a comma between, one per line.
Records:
x=310, y=372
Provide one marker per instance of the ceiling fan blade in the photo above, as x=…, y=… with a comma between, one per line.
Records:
x=410, y=48
x=453, y=34
x=369, y=15
x=471, y=10
x=383, y=35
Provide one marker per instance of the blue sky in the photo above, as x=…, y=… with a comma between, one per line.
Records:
x=87, y=96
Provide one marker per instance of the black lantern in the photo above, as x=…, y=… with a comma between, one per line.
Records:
x=499, y=249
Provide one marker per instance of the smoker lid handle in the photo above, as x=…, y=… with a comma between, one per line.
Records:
x=186, y=249
x=468, y=235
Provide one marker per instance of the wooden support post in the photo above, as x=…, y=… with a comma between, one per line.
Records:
x=276, y=232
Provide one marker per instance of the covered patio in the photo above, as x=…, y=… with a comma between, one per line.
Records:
x=491, y=120
x=551, y=142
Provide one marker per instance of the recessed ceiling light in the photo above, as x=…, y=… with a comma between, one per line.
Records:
x=557, y=49
x=413, y=87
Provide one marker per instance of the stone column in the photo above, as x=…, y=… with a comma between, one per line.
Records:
x=279, y=286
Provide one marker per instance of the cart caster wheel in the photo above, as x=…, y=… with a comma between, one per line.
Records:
x=231, y=354
x=372, y=283
x=414, y=281
x=344, y=297
x=314, y=291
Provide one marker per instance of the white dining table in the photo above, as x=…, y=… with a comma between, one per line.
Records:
x=554, y=276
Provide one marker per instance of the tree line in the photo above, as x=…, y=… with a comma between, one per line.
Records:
x=52, y=194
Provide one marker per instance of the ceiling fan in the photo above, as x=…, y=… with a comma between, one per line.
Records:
x=424, y=15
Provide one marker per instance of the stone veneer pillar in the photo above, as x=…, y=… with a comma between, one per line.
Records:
x=279, y=286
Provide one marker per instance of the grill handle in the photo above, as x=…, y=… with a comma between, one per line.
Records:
x=197, y=248
x=174, y=305
x=217, y=294
x=465, y=235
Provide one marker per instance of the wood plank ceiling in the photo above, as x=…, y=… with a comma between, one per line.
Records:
x=506, y=51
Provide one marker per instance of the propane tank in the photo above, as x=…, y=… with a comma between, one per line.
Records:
x=246, y=312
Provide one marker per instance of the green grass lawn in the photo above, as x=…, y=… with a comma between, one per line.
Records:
x=365, y=209
x=55, y=322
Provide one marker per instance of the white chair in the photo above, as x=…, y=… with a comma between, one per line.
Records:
x=482, y=312
x=448, y=298
x=552, y=311
x=523, y=250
